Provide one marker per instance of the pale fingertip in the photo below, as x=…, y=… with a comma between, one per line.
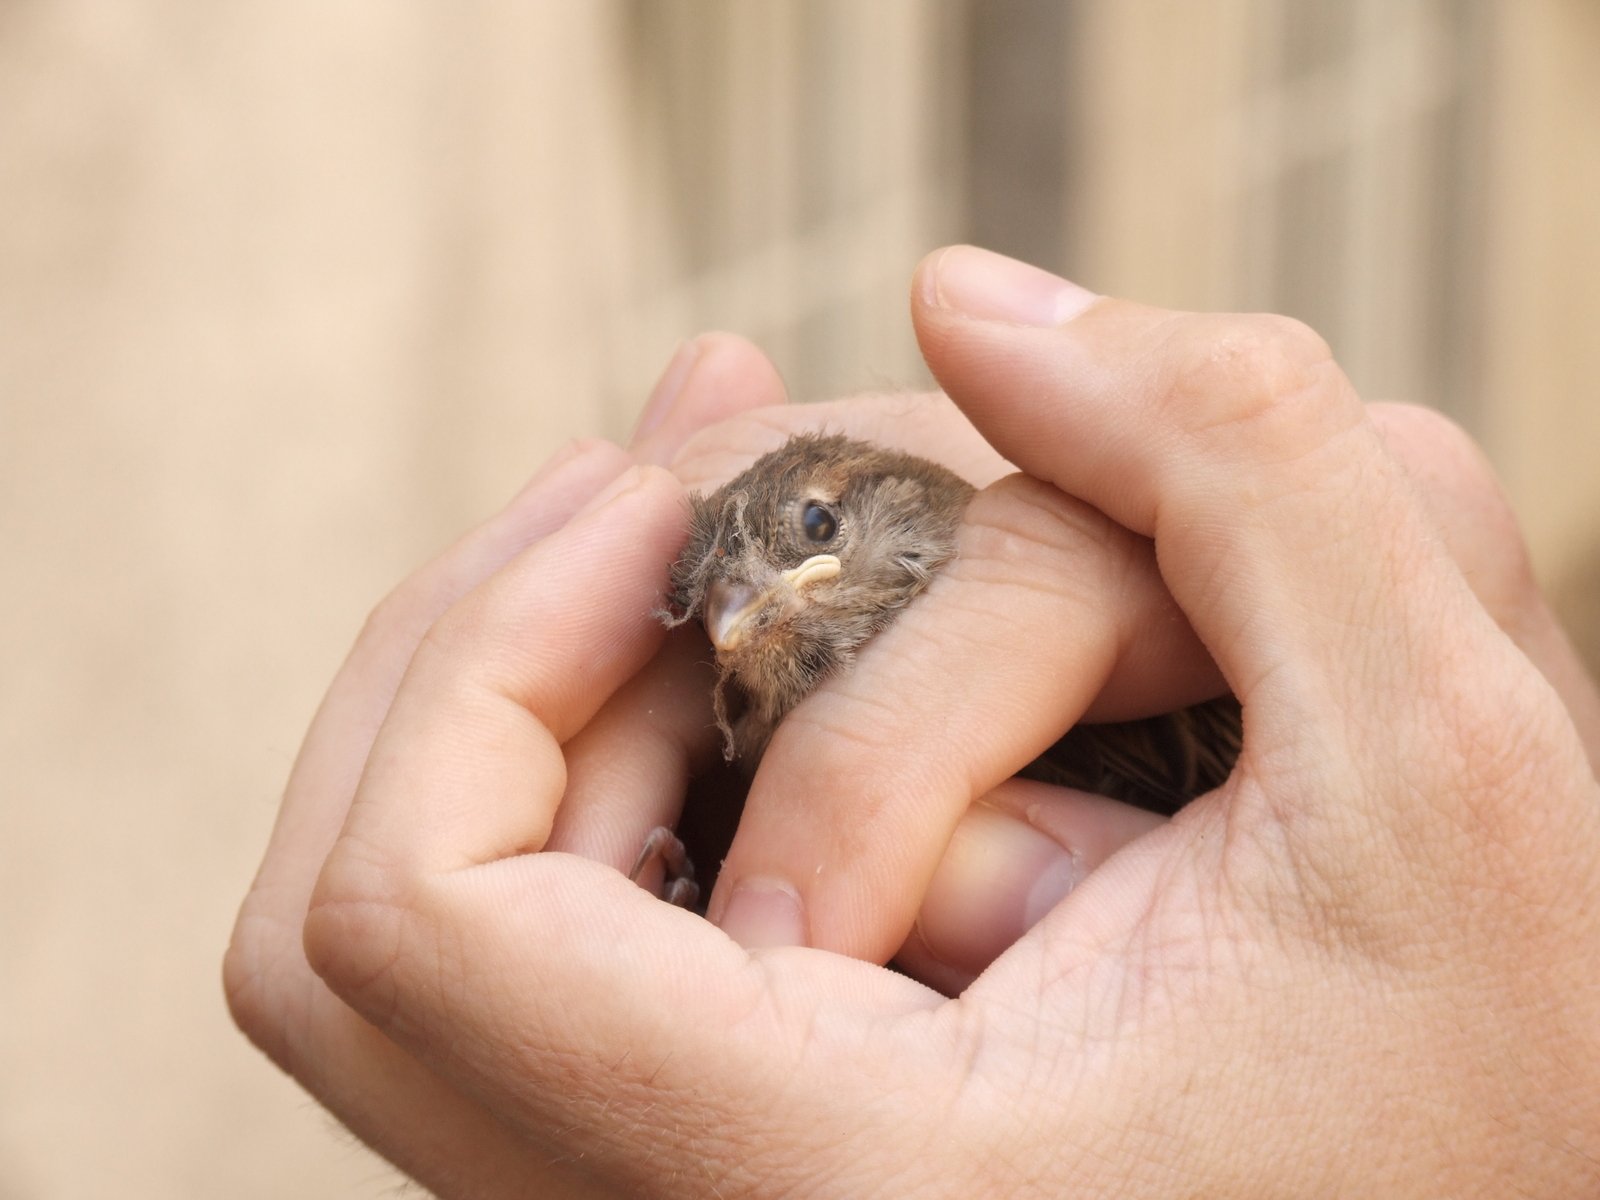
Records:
x=992, y=287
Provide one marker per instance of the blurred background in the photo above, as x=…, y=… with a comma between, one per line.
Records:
x=290, y=293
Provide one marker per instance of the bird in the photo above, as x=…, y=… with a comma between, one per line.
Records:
x=798, y=562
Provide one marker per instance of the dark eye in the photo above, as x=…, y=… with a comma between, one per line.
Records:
x=819, y=523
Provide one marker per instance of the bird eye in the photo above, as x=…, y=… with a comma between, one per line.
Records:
x=819, y=524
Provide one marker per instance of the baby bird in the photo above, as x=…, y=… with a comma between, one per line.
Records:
x=798, y=562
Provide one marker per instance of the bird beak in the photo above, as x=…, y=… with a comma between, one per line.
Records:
x=731, y=607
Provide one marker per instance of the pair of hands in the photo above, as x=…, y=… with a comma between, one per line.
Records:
x=1383, y=933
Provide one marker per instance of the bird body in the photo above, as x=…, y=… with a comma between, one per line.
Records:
x=798, y=562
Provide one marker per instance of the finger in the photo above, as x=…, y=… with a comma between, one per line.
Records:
x=1240, y=448
x=508, y=674
x=429, y=920
x=1470, y=509
x=1009, y=860
x=1540, y=635
x=574, y=1003
x=386, y=1097
x=336, y=747
x=710, y=378
x=323, y=780
x=627, y=770
x=1012, y=858
x=1047, y=607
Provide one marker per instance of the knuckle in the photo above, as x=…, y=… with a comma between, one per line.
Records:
x=1022, y=520
x=1486, y=822
x=1278, y=350
x=856, y=727
x=1468, y=505
x=1030, y=545
x=1495, y=741
x=1439, y=452
x=402, y=617
x=1233, y=371
x=246, y=984
x=575, y=450
x=393, y=613
x=358, y=872
x=352, y=928
x=442, y=640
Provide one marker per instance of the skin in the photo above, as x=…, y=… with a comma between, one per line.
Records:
x=1383, y=932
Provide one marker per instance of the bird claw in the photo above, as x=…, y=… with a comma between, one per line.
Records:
x=677, y=886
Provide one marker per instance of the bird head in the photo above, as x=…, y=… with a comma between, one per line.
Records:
x=798, y=561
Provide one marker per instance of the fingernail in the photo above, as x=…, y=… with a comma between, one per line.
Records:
x=1050, y=887
x=999, y=876
x=993, y=287
x=764, y=912
x=665, y=393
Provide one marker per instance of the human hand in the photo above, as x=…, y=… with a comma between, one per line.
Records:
x=1260, y=957
x=419, y=1120
x=625, y=773
x=1022, y=846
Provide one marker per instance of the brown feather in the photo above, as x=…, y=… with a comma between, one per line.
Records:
x=1159, y=763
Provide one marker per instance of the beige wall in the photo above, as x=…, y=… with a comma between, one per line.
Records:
x=1542, y=295
x=291, y=292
